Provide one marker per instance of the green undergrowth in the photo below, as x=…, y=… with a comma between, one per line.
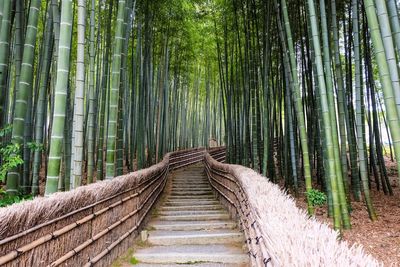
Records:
x=316, y=197
x=133, y=261
x=122, y=260
x=9, y=199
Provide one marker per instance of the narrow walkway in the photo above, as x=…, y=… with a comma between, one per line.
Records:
x=191, y=228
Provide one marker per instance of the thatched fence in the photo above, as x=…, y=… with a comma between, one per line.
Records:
x=89, y=226
x=95, y=224
x=277, y=232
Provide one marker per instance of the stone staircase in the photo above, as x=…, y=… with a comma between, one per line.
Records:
x=191, y=228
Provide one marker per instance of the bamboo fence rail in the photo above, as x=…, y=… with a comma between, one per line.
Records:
x=277, y=232
x=89, y=226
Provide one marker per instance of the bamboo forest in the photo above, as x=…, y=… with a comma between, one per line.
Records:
x=242, y=98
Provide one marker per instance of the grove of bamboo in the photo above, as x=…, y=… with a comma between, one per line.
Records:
x=305, y=92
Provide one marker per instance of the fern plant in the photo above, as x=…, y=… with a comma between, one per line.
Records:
x=316, y=197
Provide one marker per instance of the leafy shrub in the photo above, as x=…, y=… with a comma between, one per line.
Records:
x=10, y=153
x=8, y=199
x=316, y=197
x=10, y=158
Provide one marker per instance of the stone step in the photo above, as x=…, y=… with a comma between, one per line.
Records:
x=190, y=193
x=181, y=202
x=190, y=201
x=191, y=225
x=190, y=177
x=192, y=197
x=192, y=207
x=190, y=181
x=190, y=185
x=191, y=173
x=190, y=212
x=190, y=264
x=207, y=185
x=199, y=217
x=189, y=254
x=168, y=238
x=190, y=189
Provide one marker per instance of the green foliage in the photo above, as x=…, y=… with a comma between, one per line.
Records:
x=316, y=197
x=8, y=199
x=133, y=261
x=35, y=146
x=11, y=158
x=5, y=131
x=10, y=153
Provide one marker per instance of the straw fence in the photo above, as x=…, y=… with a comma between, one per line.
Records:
x=277, y=232
x=89, y=226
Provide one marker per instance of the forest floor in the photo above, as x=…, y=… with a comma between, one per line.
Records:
x=380, y=238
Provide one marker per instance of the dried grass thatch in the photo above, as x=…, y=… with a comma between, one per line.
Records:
x=25, y=215
x=91, y=225
x=290, y=236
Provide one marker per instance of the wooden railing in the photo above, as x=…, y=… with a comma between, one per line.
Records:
x=93, y=234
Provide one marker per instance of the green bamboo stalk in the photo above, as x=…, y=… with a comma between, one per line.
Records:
x=325, y=114
x=341, y=99
x=78, y=118
x=104, y=90
x=1, y=12
x=60, y=99
x=360, y=117
x=114, y=92
x=394, y=23
x=92, y=98
x=390, y=53
x=4, y=53
x=47, y=49
x=332, y=112
x=298, y=105
x=383, y=67
x=25, y=89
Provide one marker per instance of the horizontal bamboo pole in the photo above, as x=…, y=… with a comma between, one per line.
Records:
x=30, y=230
x=76, y=250
x=14, y=254
x=114, y=244
x=252, y=231
x=172, y=161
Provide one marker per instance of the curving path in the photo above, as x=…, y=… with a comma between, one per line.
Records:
x=191, y=228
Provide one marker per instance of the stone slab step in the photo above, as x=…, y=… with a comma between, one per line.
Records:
x=202, y=179
x=191, y=207
x=190, y=182
x=192, y=225
x=190, y=212
x=190, y=192
x=186, y=202
x=193, y=199
x=191, y=254
x=192, y=196
x=189, y=186
x=191, y=189
x=199, y=217
x=190, y=264
x=168, y=238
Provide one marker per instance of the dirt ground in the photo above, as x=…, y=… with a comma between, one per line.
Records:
x=380, y=238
